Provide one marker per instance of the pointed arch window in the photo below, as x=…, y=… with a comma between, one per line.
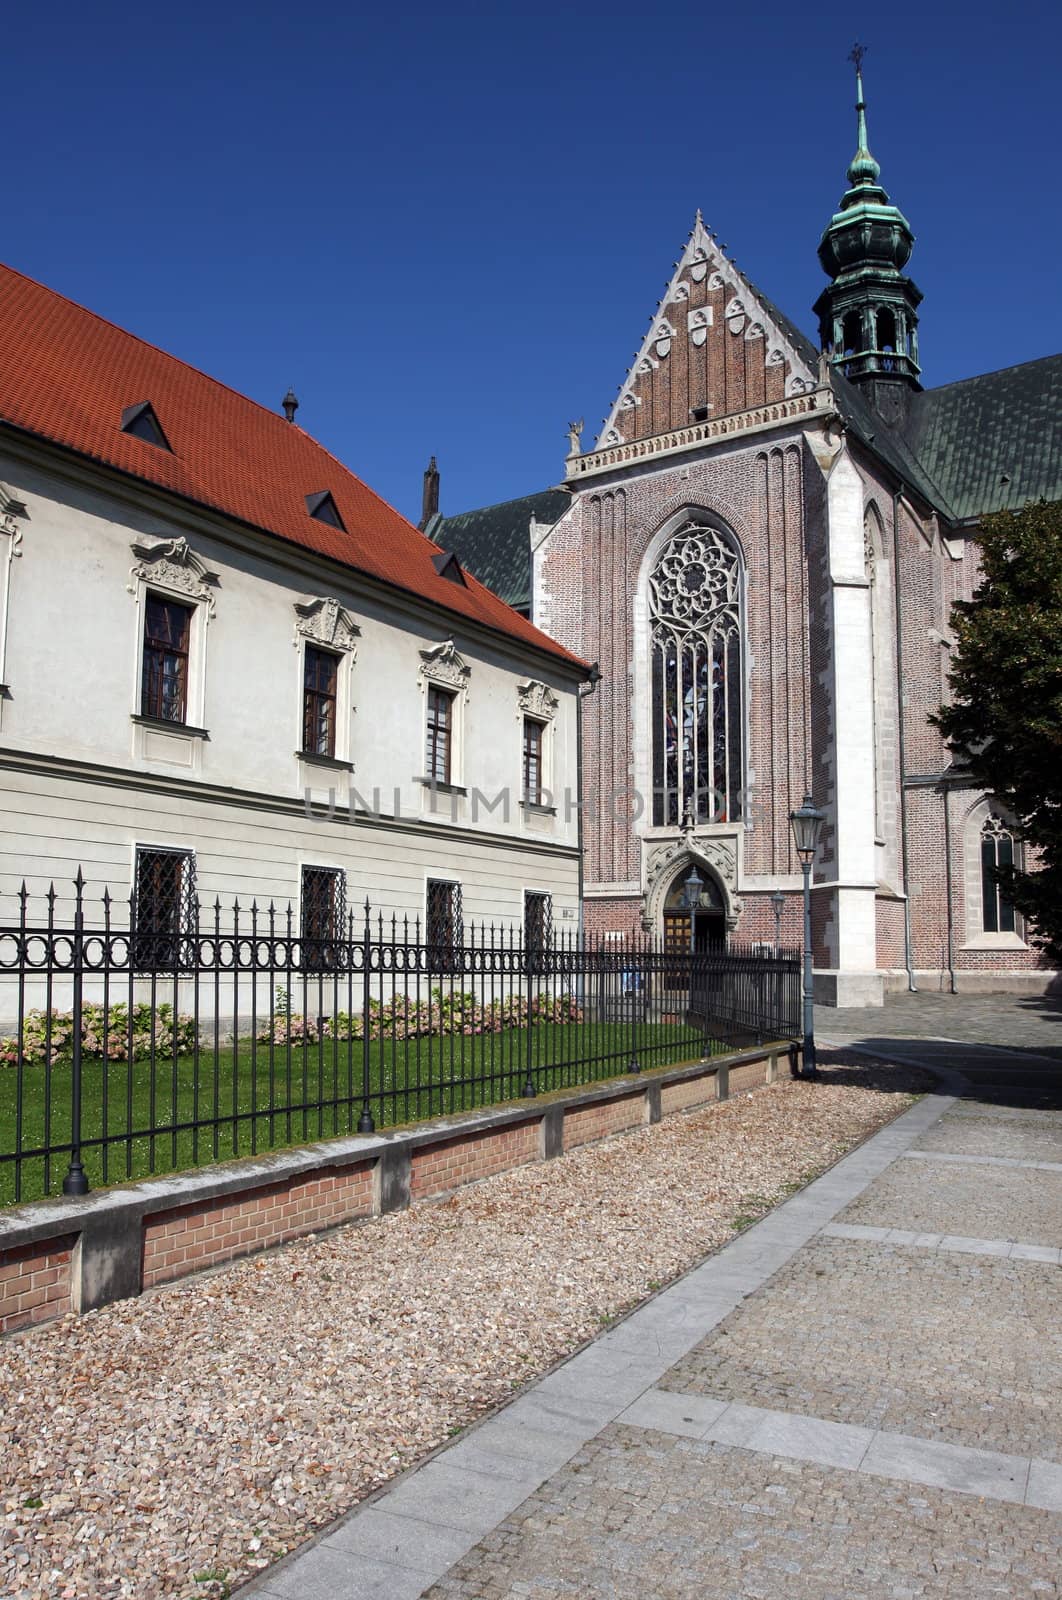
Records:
x=697, y=700
x=997, y=850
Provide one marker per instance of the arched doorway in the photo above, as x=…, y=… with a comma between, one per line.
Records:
x=709, y=914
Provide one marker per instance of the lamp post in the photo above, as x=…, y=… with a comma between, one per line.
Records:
x=691, y=893
x=807, y=827
x=778, y=902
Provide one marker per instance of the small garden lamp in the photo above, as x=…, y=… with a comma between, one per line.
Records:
x=807, y=829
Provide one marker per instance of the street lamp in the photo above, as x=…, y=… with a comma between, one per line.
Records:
x=807, y=827
x=691, y=893
x=778, y=902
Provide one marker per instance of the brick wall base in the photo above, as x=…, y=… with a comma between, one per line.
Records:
x=66, y=1254
x=35, y=1282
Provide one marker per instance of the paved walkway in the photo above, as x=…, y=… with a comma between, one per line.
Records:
x=857, y=1399
x=1007, y=1048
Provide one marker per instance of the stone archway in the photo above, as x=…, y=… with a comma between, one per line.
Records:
x=669, y=865
x=708, y=916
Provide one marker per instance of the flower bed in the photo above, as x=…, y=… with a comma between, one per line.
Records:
x=119, y=1033
x=445, y=1014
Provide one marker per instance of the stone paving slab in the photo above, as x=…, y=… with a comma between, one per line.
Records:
x=1032, y=1138
x=1025, y=1116
x=950, y=1198
x=1016, y=1164
x=897, y=1337
x=643, y=1514
x=992, y=1474
x=940, y=1241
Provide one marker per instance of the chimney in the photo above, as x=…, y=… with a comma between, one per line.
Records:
x=290, y=404
x=430, y=503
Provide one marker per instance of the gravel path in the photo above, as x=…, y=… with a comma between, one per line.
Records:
x=179, y=1443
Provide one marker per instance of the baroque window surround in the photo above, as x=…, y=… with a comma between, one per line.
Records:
x=171, y=569
x=985, y=814
x=537, y=701
x=11, y=510
x=443, y=667
x=323, y=621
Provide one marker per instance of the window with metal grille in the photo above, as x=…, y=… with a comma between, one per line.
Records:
x=165, y=909
x=997, y=850
x=167, y=629
x=320, y=681
x=442, y=929
x=322, y=917
x=440, y=734
x=538, y=921
x=534, y=733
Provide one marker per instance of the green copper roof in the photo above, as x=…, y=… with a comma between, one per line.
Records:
x=866, y=231
x=494, y=542
x=993, y=442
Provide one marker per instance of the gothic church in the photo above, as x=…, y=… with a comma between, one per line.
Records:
x=761, y=552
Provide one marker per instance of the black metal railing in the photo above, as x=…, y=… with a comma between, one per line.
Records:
x=147, y=1037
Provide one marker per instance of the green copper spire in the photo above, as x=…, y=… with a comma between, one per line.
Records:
x=868, y=315
x=863, y=167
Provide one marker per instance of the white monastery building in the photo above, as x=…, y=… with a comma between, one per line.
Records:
x=228, y=668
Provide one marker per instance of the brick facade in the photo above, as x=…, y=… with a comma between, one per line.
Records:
x=847, y=599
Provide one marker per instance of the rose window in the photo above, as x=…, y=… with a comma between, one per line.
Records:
x=695, y=615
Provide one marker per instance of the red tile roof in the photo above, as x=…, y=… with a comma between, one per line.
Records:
x=67, y=375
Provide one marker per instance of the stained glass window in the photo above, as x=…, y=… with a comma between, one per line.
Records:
x=697, y=701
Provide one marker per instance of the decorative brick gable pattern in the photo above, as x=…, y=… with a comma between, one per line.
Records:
x=714, y=347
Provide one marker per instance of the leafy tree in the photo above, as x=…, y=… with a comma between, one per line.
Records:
x=1005, y=722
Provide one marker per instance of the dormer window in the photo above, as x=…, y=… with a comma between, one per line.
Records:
x=323, y=508
x=447, y=566
x=140, y=420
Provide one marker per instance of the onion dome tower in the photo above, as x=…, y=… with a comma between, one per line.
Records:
x=868, y=316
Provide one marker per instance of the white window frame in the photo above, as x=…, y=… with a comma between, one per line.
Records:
x=537, y=702
x=11, y=510
x=443, y=667
x=173, y=571
x=325, y=624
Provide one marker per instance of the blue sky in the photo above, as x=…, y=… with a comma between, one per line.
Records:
x=449, y=227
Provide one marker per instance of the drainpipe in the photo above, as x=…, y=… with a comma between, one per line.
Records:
x=583, y=691
x=904, y=864
x=947, y=881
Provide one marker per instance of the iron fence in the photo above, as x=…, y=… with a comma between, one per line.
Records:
x=162, y=1034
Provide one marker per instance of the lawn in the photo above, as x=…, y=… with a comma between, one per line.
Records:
x=192, y=1109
